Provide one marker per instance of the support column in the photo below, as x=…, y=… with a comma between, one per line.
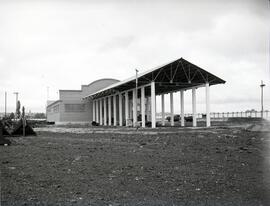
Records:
x=172, y=109
x=143, y=106
x=94, y=110
x=100, y=112
x=120, y=110
x=126, y=107
x=148, y=108
x=105, y=111
x=97, y=111
x=134, y=107
x=207, y=97
x=153, y=104
x=162, y=110
x=110, y=110
x=194, y=113
x=130, y=109
x=114, y=110
x=182, y=109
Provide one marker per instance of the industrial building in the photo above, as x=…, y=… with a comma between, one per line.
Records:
x=132, y=102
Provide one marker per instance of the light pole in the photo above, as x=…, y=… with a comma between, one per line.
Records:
x=262, y=85
x=17, y=94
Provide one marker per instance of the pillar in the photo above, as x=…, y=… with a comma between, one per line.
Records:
x=105, y=111
x=110, y=111
x=134, y=107
x=172, y=109
x=100, y=112
x=120, y=110
x=194, y=113
x=207, y=97
x=153, y=104
x=126, y=108
x=182, y=108
x=114, y=110
x=148, y=109
x=94, y=110
x=97, y=111
x=162, y=110
x=130, y=109
x=143, y=106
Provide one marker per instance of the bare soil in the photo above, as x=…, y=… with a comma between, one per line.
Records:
x=217, y=166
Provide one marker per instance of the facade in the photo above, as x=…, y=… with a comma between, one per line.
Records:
x=71, y=107
x=120, y=103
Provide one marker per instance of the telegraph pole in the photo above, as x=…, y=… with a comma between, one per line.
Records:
x=5, y=104
x=262, y=85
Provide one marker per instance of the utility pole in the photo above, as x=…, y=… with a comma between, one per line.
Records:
x=5, y=104
x=262, y=85
x=17, y=94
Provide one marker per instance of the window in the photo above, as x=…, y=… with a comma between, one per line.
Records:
x=74, y=107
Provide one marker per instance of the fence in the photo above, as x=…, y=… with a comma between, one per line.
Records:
x=249, y=114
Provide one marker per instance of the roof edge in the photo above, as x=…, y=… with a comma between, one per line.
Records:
x=101, y=80
x=49, y=105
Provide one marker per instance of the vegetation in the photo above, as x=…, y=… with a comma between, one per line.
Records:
x=40, y=116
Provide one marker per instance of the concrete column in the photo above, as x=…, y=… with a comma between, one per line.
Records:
x=94, y=110
x=194, y=113
x=100, y=112
x=134, y=107
x=105, y=111
x=143, y=106
x=130, y=109
x=97, y=111
x=110, y=110
x=162, y=110
x=172, y=109
x=182, y=109
x=207, y=97
x=148, y=108
x=114, y=110
x=153, y=104
x=126, y=108
x=120, y=110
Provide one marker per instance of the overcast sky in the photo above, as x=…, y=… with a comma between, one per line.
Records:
x=63, y=44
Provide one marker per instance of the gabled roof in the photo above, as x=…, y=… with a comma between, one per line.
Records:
x=173, y=76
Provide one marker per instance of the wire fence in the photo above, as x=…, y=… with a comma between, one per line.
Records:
x=247, y=114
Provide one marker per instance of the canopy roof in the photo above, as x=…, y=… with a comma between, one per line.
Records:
x=173, y=76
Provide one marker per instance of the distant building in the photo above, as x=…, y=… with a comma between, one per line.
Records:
x=112, y=102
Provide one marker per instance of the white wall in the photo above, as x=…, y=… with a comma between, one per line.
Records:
x=76, y=97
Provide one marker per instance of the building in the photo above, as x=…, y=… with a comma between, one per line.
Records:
x=117, y=103
x=71, y=107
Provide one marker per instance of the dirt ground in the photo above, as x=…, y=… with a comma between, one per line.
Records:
x=216, y=166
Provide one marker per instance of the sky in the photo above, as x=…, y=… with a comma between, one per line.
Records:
x=50, y=45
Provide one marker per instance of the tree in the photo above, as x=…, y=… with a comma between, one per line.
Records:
x=39, y=116
x=23, y=112
x=18, y=109
x=11, y=116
